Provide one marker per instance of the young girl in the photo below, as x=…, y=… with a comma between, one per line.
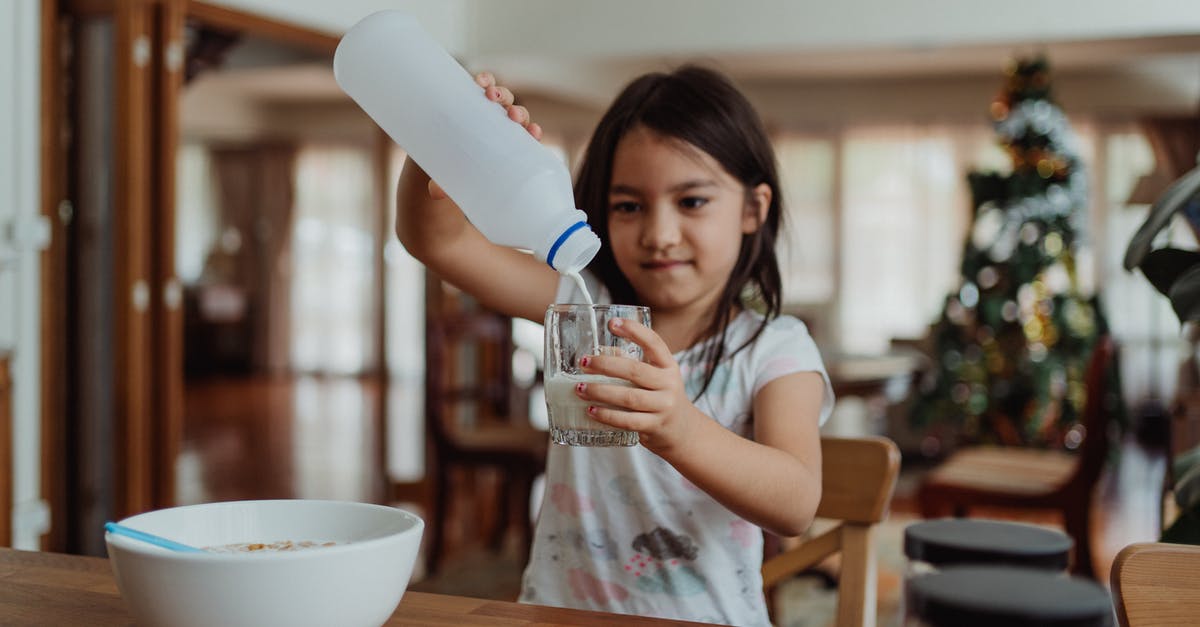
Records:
x=679, y=182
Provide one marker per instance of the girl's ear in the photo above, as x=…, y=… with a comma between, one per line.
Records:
x=757, y=208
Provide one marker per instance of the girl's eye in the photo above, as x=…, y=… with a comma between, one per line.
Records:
x=693, y=202
x=624, y=207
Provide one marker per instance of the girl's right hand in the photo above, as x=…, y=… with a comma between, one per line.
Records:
x=516, y=113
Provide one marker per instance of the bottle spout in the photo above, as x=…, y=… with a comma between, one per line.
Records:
x=574, y=249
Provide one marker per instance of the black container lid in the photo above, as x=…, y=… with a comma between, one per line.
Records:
x=1002, y=596
x=951, y=541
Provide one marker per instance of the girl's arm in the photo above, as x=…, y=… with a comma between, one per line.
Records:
x=434, y=231
x=773, y=481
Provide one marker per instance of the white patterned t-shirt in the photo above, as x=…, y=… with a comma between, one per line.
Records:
x=620, y=530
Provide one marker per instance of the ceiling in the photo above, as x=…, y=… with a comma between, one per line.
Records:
x=1163, y=72
x=259, y=70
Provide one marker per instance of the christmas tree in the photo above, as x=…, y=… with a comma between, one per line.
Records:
x=1012, y=344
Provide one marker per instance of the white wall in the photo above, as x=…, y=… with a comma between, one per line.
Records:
x=669, y=27
x=628, y=28
x=591, y=48
x=822, y=103
x=580, y=51
x=933, y=60
x=19, y=235
x=574, y=30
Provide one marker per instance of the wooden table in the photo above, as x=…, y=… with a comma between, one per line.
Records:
x=877, y=381
x=869, y=375
x=58, y=589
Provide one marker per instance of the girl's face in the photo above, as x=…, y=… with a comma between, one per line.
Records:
x=676, y=220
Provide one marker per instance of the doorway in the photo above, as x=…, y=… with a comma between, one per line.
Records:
x=228, y=269
x=276, y=253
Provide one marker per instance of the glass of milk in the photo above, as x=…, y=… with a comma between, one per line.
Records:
x=574, y=331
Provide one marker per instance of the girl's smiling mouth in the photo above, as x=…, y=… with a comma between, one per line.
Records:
x=663, y=264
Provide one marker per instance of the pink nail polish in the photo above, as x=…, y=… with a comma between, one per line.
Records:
x=580, y=387
x=584, y=361
x=591, y=409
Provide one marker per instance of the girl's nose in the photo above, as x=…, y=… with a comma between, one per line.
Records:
x=660, y=228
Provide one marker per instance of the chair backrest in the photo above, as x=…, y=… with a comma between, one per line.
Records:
x=1156, y=584
x=468, y=361
x=858, y=477
x=1093, y=453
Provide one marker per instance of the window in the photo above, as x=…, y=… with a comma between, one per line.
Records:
x=905, y=211
x=195, y=213
x=404, y=291
x=895, y=200
x=333, y=266
x=1144, y=324
x=807, y=242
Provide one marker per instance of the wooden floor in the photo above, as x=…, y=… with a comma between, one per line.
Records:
x=307, y=437
x=273, y=438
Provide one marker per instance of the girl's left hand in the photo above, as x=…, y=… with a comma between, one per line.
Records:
x=657, y=406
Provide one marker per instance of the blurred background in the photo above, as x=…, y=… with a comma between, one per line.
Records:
x=202, y=297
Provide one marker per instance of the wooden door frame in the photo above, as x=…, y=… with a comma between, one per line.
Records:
x=133, y=173
x=168, y=359
x=6, y=457
x=261, y=26
x=148, y=324
x=131, y=159
x=381, y=161
x=168, y=404
x=57, y=212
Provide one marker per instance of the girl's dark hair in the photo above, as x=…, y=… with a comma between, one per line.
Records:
x=703, y=108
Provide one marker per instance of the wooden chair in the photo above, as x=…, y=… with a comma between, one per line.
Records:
x=1012, y=477
x=471, y=419
x=858, y=476
x=1156, y=584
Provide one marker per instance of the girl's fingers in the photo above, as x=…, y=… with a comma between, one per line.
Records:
x=436, y=192
x=506, y=96
x=519, y=114
x=653, y=346
x=627, y=398
x=494, y=92
x=640, y=374
x=621, y=419
x=499, y=95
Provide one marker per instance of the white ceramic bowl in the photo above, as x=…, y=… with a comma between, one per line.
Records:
x=358, y=581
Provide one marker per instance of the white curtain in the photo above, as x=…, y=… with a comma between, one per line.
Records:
x=195, y=212
x=1147, y=330
x=404, y=280
x=807, y=246
x=878, y=215
x=333, y=284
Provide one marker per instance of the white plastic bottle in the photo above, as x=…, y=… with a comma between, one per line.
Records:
x=512, y=188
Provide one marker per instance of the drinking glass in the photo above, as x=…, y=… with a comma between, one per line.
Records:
x=574, y=331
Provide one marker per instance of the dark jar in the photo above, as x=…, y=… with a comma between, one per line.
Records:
x=1002, y=596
